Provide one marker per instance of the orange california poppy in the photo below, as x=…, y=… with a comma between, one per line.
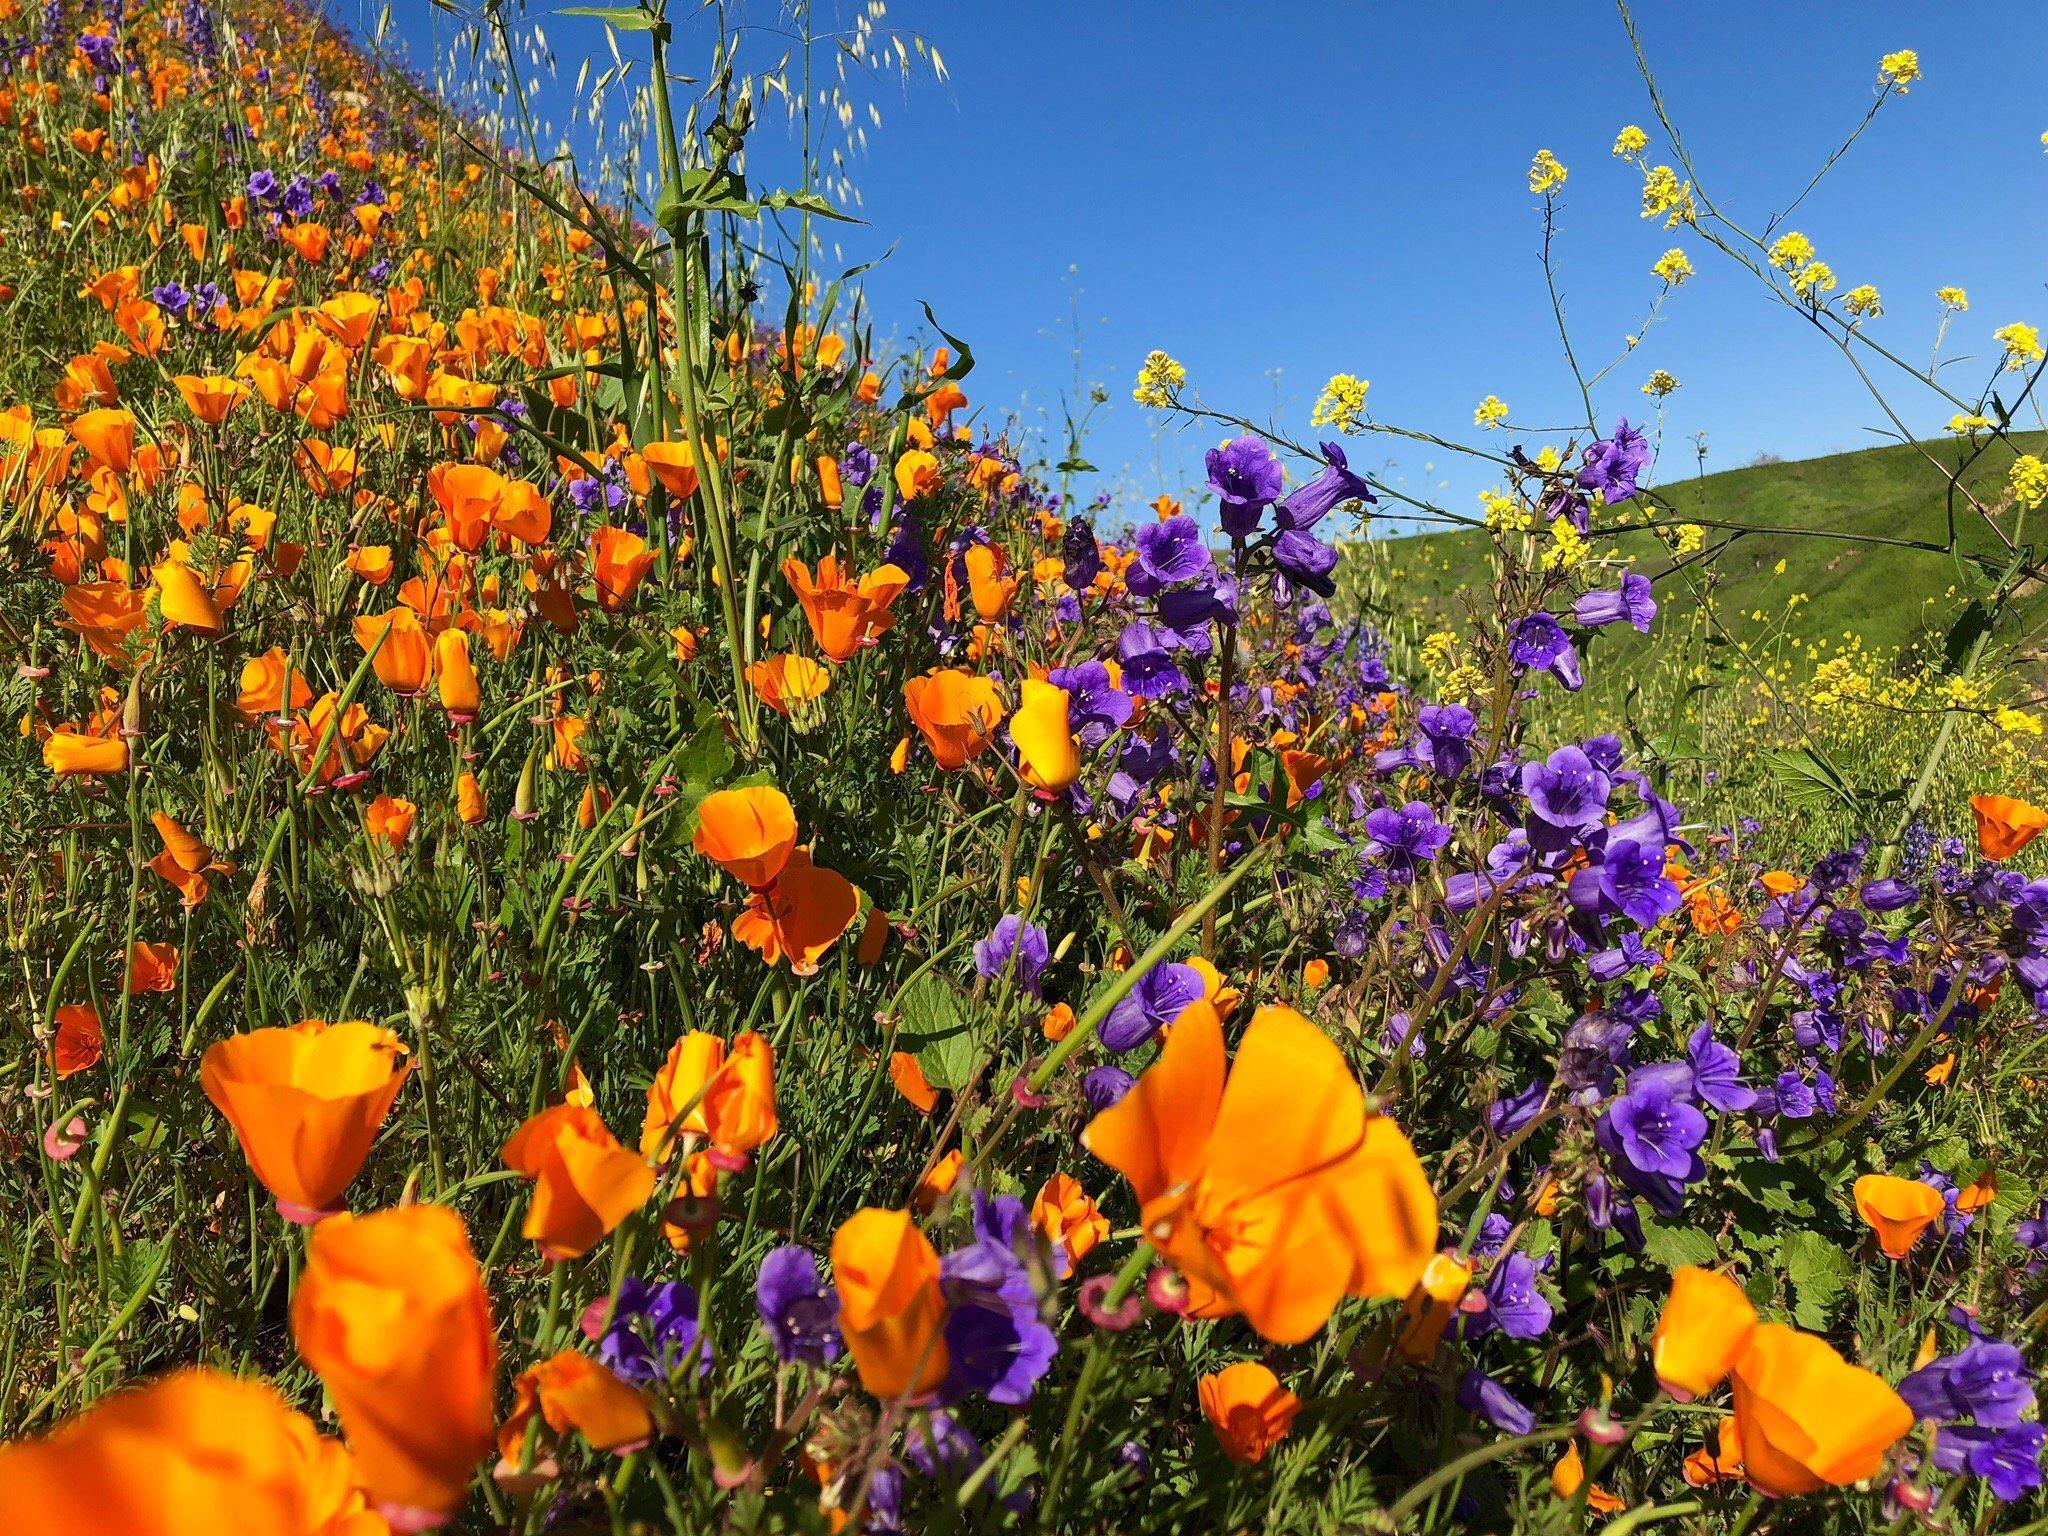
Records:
x=468, y=496
x=79, y=1041
x=1720, y=1462
x=584, y=1182
x=956, y=712
x=524, y=515
x=874, y=937
x=991, y=589
x=845, y=616
x=917, y=474
x=572, y=1391
x=708, y=1091
x=800, y=917
x=212, y=396
x=943, y=401
x=454, y=676
x=76, y=754
x=938, y=1181
x=1066, y=1216
x=1429, y=1308
x=105, y=614
x=1808, y=1419
x=327, y=470
x=109, y=436
x=194, y=1453
x=183, y=599
x=1978, y=1193
x=1276, y=1193
x=470, y=805
x=674, y=465
x=1705, y=1324
x=187, y=852
x=151, y=968
x=1569, y=1476
x=620, y=561
x=740, y=1107
x=392, y=1315
x=1303, y=770
x=306, y=1103
x=788, y=684
x=263, y=685
x=908, y=1079
x=2005, y=825
x=1215, y=990
x=404, y=655
x=891, y=1311
x=1249, y=1410
x=309, y=240
x=566, y=753
x=388, y=820
x=349, y=317
x=747, y=832
x=675, y=1099
x=1897, y=1210
x=1047, y=757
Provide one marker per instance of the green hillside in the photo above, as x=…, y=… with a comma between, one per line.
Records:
x=1881, y=592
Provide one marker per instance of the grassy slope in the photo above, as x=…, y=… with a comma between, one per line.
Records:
x=1876, y=591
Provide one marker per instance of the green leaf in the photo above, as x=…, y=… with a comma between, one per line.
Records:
x=934, y=1030
x=1820, y=1273
x=703, y=190
x=620, y=18
x=963, y=355
x=1805, y=776
x=708, y=757
x=1676, y=1247
x=1772, y=1186
x=806, y=202
x=1973, y=621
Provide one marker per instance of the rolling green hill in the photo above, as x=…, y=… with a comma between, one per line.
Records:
x=1880, y=592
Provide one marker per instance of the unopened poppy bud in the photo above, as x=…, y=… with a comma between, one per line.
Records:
x=522, y=798
x=135, y=708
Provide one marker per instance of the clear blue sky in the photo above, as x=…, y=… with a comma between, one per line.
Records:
x=1275, y=192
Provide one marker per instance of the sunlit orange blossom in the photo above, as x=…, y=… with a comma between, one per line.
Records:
x=1275, y=1192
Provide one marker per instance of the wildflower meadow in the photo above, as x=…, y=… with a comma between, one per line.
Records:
x=624, y=914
